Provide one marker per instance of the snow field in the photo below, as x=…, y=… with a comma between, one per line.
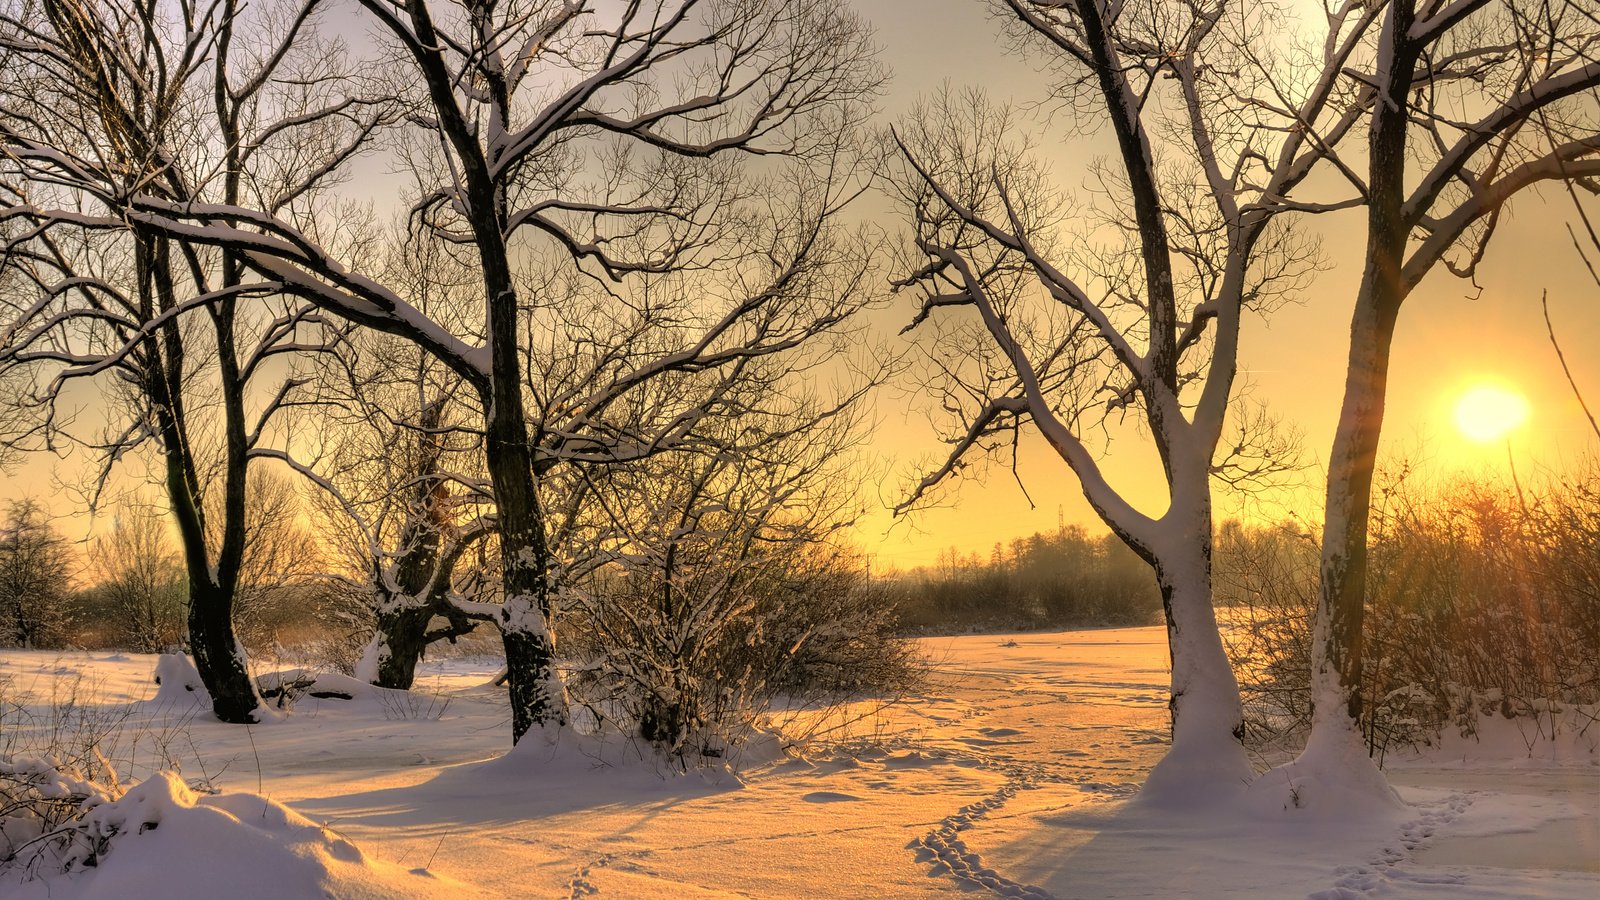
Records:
x=1010, y=775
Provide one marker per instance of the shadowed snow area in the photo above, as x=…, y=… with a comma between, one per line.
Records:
x=1009, y=775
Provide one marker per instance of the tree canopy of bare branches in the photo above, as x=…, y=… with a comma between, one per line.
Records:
x=186, y=104
x=672, y=168
x=1217, y=129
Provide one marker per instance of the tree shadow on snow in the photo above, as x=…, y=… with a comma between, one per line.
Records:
x=530, y=782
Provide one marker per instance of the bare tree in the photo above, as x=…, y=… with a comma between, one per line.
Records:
x=398, y=477
x=612, y=138
x=105, y=104
x=404, y=491
x=1140, y=315
x=1462, y=89
x=35, y=568
x=140, y=578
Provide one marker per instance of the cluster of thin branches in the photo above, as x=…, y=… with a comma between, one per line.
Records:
x=1483, y=600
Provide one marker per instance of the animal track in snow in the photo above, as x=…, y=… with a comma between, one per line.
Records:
x=945, y=851
x=1387, y=866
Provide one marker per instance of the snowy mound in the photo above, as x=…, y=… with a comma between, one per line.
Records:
x=162, y=840
x=177, y=681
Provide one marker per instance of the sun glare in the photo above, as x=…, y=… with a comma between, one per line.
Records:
x=1488, y=412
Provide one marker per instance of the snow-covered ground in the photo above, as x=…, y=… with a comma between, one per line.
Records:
x=1010, y=773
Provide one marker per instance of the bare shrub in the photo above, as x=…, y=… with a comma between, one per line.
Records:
x=42, y=803
x=1483, y=598
x=35, y=610
x=281, y=561
x=791, y=630
x=725, y=592
x=1266, y=579
x=1066, y=579
x=412, y=705
x=57, y=756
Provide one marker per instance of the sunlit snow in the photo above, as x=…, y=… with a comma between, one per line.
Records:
x=1009, y=774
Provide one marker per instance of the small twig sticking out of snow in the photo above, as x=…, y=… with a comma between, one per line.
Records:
x=259, y=788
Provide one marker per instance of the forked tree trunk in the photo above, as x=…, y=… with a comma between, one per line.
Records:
x=402, y=637
x=213, y=586
x=397, y=645
x=217, y=655
x=422, y=576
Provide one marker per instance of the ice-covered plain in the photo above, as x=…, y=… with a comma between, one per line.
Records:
x=1010, y=773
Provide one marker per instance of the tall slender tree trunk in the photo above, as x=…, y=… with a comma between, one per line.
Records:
x=1337, y=631
x=524, y=620
x=1334, y=770
x=218, y=654
x=1337, y=640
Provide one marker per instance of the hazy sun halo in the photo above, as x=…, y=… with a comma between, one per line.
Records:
x=1488, y=412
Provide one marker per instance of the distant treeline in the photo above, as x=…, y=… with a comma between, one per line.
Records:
x=1057, y=580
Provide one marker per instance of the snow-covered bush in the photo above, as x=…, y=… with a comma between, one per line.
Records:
x=54, y=770
x=1482, y=598
x=692, y=663
x=160, y=838
x=44, y=808
x=723, y=591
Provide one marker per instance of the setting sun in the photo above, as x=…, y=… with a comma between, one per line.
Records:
x=1488, y=412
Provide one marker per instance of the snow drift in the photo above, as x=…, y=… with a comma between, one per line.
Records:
x=162, y=839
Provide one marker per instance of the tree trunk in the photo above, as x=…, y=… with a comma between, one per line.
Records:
x=397, y=645
x=1337, y=630
x=422, y=575
x=1337, y=645
x=1334, y=773
x=537, y=698
x=1207, y=759
x=217, y=655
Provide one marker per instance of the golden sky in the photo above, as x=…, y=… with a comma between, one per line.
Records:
x=1451, y=336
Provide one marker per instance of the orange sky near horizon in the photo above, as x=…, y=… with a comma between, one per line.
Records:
x=1451, y=336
